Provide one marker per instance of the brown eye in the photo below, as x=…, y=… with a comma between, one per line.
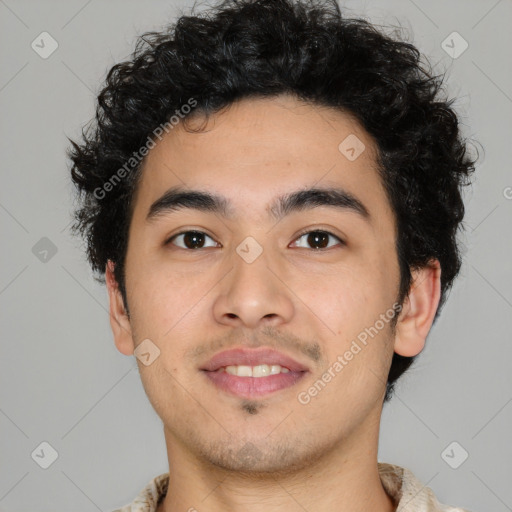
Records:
x=318, y=239
x=191, y=240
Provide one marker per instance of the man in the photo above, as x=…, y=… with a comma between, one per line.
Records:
x=273, y=193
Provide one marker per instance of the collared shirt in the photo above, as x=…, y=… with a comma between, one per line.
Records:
x=407, y=492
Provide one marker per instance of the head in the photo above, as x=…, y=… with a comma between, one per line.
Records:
x=245, y=123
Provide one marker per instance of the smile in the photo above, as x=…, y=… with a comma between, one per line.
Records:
x=262, y=370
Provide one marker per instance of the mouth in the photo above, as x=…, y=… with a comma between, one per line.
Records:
x=250, y=373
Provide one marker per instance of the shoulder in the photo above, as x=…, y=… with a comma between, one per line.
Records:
x=147, y=500
x=409, y=493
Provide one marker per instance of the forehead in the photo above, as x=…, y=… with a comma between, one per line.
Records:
x=260, y=148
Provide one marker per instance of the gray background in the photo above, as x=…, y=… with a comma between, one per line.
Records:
x=62, y=379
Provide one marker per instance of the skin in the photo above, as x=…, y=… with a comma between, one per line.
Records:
x=227, y=453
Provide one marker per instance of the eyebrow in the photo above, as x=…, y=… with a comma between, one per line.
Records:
x=179, y=198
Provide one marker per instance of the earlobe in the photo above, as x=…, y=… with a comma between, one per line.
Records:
x=418, y=310
x=119, y=319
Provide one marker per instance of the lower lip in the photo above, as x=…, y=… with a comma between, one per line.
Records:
x=250, y=387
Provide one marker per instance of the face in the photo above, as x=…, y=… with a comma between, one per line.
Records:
x=264, y=263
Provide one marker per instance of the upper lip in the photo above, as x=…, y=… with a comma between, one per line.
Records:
x=252, y=357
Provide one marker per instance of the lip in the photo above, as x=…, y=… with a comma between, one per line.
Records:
x=253, y=357
x=252, y=387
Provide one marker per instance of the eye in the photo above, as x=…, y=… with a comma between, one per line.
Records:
x=191, y=240
x=318, y=239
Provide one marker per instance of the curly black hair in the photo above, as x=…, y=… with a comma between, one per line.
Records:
x=263, y=48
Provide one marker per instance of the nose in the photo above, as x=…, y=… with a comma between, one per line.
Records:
x=253, y=295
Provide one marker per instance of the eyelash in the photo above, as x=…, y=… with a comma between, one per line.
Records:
x=306, y=232
x=324, y=231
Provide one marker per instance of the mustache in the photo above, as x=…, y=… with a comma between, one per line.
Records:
x=267, y=337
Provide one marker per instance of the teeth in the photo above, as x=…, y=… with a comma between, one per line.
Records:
x=262, y=370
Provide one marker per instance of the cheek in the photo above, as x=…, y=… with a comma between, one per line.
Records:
x=351, y=297
x=161, y=299
x=353, y=308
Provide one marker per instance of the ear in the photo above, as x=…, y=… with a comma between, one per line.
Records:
x=119, y=319
x=418, y=310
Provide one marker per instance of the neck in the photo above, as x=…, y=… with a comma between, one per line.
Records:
x=344, y=477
